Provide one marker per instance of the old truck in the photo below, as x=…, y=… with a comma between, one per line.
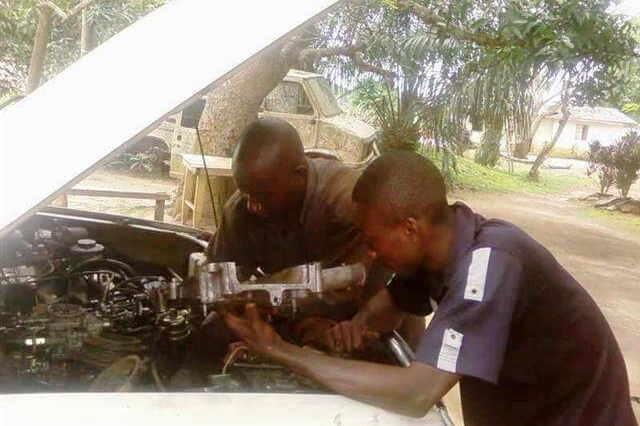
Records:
x=304, y=99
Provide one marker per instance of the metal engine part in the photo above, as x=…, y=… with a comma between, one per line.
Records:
x=67, y=311
x=219, y=281
x=245, y=369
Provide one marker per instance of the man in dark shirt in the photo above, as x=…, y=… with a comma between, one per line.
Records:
x=290, y=209
x=526, y=342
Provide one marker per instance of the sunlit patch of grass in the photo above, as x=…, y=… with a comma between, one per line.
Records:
x=628, y=222
x=476, y=177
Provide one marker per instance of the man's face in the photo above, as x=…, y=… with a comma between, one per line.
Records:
x=396, y=246
x=272, y=193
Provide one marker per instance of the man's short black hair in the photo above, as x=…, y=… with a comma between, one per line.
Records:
x=402, y=184
x=269, y=138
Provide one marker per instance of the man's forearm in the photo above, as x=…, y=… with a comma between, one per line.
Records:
x=402, y=390
x=408, y=390
x=380, y=313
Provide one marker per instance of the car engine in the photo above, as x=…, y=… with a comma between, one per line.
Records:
x=97, y=306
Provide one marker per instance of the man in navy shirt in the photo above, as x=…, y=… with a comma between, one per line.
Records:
x=526, y=342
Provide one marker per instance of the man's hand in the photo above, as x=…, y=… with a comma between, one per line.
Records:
x=345, y=336
x=253, y=330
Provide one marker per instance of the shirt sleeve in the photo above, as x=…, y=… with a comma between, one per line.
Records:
x=470, y=329
x=228, y=244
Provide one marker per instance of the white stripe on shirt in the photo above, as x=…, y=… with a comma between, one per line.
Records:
x=449, y=350
x=477, y=276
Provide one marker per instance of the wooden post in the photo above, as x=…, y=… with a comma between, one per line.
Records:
x=158, y=213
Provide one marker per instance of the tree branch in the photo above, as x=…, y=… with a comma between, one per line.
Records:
x=458, y=33
x=61, y=15
x=353, y=51
x=313, y=54
x=78, y=8
x=54, y=7
x=358, y=59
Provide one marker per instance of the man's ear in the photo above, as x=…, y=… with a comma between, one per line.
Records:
x=299, y=176
x=410, y=226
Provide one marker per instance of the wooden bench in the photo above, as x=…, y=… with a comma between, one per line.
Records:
x=159, y=197
x=195, y=194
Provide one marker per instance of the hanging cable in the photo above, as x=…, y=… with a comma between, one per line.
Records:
x=206, y=173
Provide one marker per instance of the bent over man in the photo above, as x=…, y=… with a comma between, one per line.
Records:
x=290, y=209
x=526, y=342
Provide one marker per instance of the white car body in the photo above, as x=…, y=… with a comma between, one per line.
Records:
x=121, y=86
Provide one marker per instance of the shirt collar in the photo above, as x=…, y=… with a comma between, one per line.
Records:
x=466, y=226
x=312, y=183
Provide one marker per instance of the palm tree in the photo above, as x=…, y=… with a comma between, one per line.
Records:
x=483, y=61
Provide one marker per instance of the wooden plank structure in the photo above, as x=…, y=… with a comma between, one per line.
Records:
x=195, y=192
x=159, y=197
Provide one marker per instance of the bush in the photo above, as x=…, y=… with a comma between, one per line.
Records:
x=626, y=159
x=617, y=164
x=601, y=165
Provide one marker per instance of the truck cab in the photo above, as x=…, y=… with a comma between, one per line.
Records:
x=303, y=99
x=306, y=101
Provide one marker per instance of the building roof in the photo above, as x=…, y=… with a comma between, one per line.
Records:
x=601, y=114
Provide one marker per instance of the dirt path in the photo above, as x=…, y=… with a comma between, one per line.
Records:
x=111, y=180
x=603, y=258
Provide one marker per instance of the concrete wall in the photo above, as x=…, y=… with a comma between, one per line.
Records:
x=606, y=133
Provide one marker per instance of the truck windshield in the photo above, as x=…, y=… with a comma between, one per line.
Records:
x=326, y=99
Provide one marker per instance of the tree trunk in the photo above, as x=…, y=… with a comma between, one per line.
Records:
x=522, y=148
x=489, y=150
x=39, y=49
x=87, y=34
x=534, y=173
x=230, y=107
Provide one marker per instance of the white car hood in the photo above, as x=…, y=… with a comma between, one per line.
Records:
x=117, y=93
x=237, y=409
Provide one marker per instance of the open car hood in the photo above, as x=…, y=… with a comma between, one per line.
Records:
x=237, y=409
x=113, y=96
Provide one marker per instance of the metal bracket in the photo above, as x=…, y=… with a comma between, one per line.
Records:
x=219, y=281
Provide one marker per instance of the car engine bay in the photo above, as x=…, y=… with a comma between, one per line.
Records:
x=95, y=304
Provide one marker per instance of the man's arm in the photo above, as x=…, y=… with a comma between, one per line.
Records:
x=230, y=242
x=379, y=314
x=409, y=390
x=222, y=244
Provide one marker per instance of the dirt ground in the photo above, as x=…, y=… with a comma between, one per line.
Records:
x=603, y=255
x=112, y=180
x=603, y=258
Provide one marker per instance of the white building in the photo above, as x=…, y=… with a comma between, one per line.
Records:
x=585, y=124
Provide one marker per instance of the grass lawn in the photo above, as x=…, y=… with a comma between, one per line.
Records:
x=473, y=176
x=628, y=222
x=569, y=184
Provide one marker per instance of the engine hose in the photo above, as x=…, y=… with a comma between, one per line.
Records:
x=154, y=367
x=121, y=266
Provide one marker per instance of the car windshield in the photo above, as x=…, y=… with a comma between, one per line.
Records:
x=326, y=100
